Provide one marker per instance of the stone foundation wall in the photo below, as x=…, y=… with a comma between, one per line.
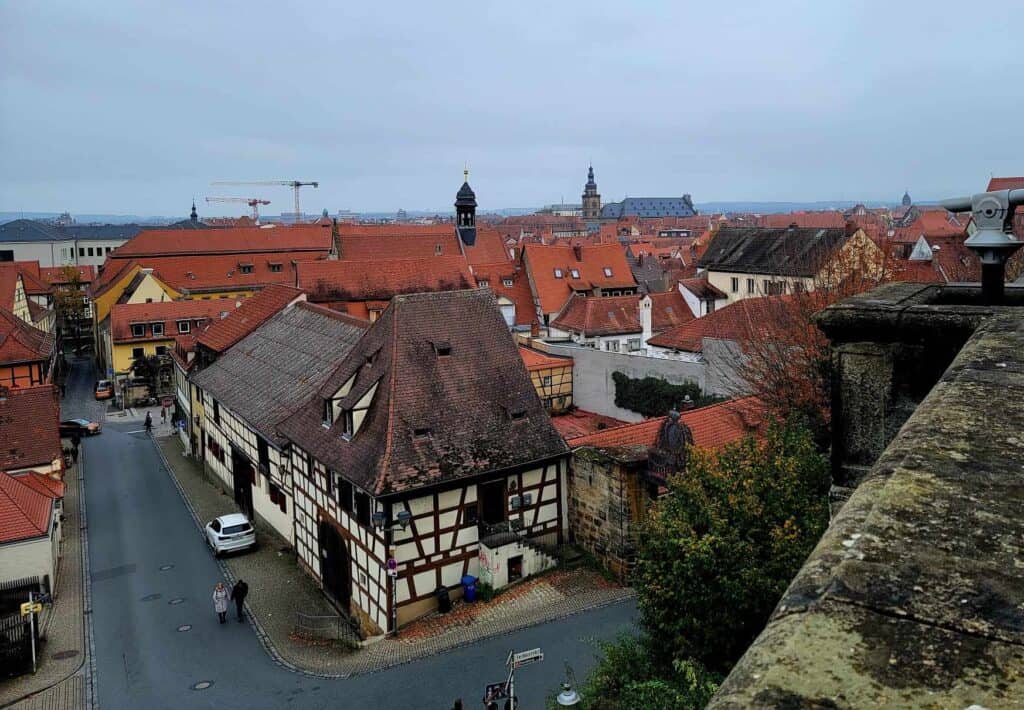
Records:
x=600, y=519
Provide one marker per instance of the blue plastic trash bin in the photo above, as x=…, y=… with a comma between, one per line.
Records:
x=469, y=584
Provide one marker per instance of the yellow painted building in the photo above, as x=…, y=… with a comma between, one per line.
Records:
x=551, y=377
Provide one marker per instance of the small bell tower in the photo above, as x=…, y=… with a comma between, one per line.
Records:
x=465, y=212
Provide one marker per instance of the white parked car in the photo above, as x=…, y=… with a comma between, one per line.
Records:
x=229, y=533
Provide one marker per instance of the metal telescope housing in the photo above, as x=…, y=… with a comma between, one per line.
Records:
x=993, y=242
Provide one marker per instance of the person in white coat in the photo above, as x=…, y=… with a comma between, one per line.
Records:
x=220, y=601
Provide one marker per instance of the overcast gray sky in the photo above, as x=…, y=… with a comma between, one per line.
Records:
x=133, y=107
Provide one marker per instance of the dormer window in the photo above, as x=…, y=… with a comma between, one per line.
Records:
x=507, y=283
x=348, y=424
x=245, y=268
x=483, y=283
x=275, y=268
x=517, y=414
x=328, y=413
x=608, y=271
x=443, y=349
x=158, y=329
x=438, y=249
x=138, y=330
x=184, y=327
x=558, y=273
x=574, y=273
x=421, y=433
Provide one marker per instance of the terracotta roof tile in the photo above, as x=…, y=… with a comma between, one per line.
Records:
x=57, y=274
x=122, y=315
x=735, y=321
x=620, y=315
x=345, y=281
x=235, y=240
x=712, y=427
x=1005, y=183
x=25, y=510
x=221, y=334
x=495, y=277
x=536, y=360
x=29, y=432
x=552, y=291
x=443, y=364
x=702, y=288
x=20, y=342
x=383, y=242
x=580, y=422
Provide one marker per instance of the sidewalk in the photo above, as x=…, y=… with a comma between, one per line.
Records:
x=278, y=589
x=59, y=681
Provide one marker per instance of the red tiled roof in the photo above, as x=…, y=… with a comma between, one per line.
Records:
x=552, y=292
x=536, y=360
x=9, y=276
x=220, y=272
x=580, y=422
x=833, y=219
x=122, y=315
x=221, y=334
x=29, y=418
x=34, y=284
x=616, y=315
x=377, y=242
x=234, y=240
x=732, y=322
x=1005, y=183
x=42, y=483
x=20, y=342
x=712, y=427
x=495, y=276
x=701, y=288
x=344, y=281
x=24, y=511
x=57, y=274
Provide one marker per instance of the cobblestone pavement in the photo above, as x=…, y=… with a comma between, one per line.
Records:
x=278, y=588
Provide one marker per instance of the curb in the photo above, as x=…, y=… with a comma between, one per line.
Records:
x=278, y=659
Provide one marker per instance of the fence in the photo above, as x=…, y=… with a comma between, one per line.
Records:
x=332, y=627
x=14, y=593
x=16, y=644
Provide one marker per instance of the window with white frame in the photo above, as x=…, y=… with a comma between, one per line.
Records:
x=558, y=273
x=574, y=273
x=507, y=283
x=608, y=271
x=138, y=330
x=158, y=329
x=184, y=326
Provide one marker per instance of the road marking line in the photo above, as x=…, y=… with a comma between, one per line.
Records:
x=137, y=431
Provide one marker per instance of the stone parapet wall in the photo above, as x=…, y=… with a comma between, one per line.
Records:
x=914, y=597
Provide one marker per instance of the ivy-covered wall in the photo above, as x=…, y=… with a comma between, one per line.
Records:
x=652, y=397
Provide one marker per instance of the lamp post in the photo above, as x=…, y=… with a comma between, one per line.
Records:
x=993, y=241
x=568, y=697
x=380, y=521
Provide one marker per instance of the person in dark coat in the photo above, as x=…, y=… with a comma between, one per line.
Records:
x=238, y=593
x=149, y=422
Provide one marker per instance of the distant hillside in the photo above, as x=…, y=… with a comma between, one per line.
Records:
x=776, y=207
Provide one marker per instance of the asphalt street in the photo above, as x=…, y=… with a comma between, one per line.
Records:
x=157, y=635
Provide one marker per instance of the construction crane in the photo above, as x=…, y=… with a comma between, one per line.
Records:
x=294, y=184
x=253, y=202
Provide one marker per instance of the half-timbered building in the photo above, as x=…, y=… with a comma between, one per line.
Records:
x=426, y=456
x=255, y=384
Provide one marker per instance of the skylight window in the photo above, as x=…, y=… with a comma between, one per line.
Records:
x=558, y=273
x=574, y=273
x=443, y=349
x=507, y=283
x=608, y=271
x=421, y=433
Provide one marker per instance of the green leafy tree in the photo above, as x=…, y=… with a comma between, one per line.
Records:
x=632, y=673
x=718, y=551
x=653, y=397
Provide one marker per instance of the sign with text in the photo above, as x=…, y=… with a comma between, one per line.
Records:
x=31, y=608
x=495, y=691
x=525, y=658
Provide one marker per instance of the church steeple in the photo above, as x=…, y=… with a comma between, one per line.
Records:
x=591, y=198
x=906, y=199
x=195, y=215
x=465, y=211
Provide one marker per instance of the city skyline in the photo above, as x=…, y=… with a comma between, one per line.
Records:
x=135, y=110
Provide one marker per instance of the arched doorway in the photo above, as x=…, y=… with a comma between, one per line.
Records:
x=335, y=565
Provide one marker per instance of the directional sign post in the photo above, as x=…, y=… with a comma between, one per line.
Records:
x=508, y=688
x=525, y=658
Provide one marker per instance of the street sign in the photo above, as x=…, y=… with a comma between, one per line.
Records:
x=495, y=691
x=31, y=608
x=525, y=658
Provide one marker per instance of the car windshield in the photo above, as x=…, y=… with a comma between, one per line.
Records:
x=241, y=527
x=83, y=422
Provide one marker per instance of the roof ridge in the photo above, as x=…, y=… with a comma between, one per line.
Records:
x=385, y=459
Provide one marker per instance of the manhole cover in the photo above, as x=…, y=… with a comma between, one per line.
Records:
x=176, y=600
x=151, y=597
x=164, y=568
x=202, y=685
x=184, y=627
x=64, y=654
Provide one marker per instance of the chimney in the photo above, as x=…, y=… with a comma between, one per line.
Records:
x=645, y=319
x=535, y=329
x=577, y=250
x=687, y=404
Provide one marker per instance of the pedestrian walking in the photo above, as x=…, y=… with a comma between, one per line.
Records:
x=149, y=423
x=238, y=594
x=220, y=601
x=163, y=415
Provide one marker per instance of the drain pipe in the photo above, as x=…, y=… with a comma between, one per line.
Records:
x=994, y=241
